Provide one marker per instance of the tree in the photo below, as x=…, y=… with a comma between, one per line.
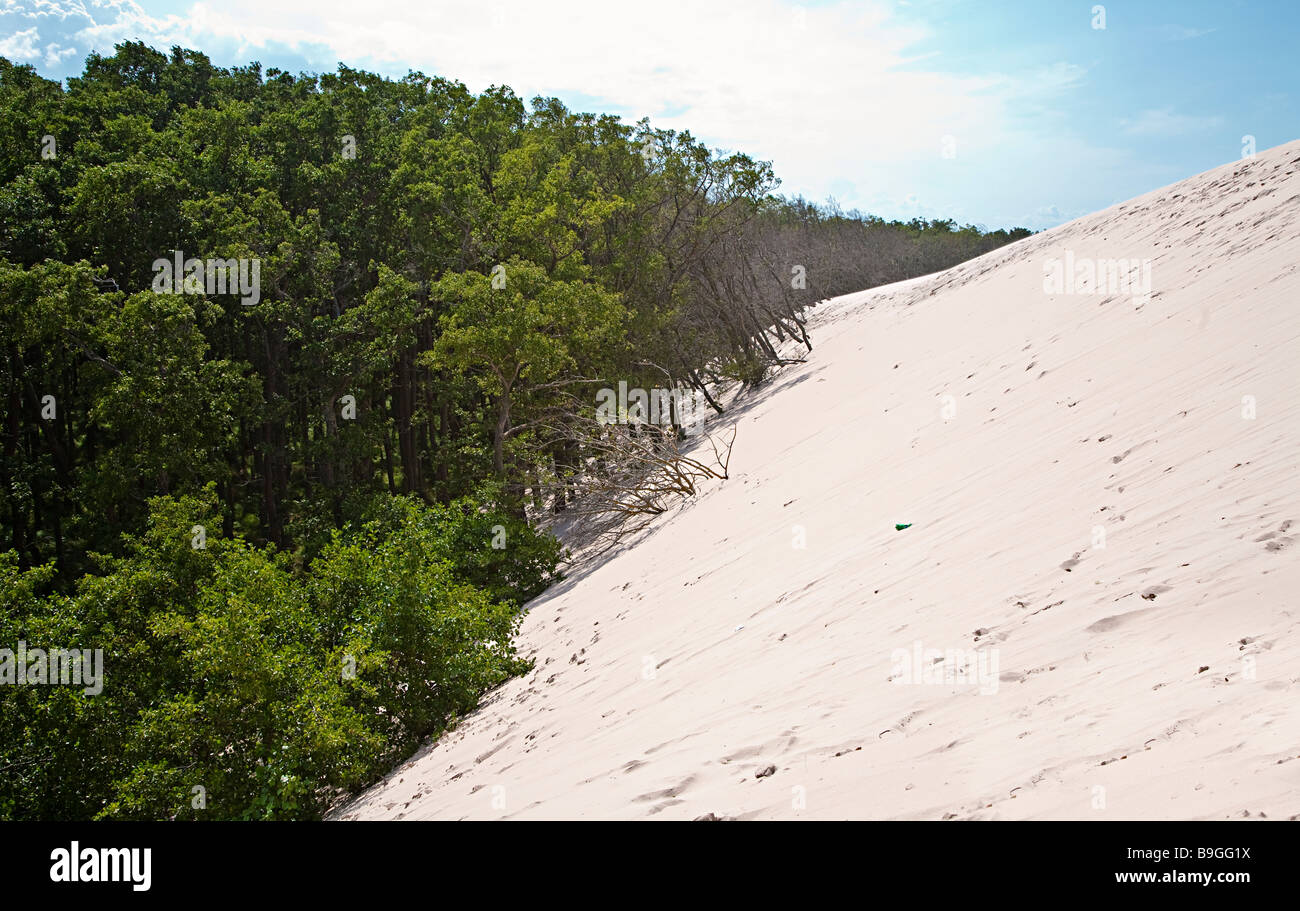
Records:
x=523, y=336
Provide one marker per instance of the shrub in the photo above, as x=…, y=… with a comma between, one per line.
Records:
x=240, y=686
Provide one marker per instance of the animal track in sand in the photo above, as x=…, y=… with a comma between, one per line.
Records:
x=1040, y=610
x=663, y=806
x=1106, y=624
x=742, y=753
x=1281, y=543
x=673, y=791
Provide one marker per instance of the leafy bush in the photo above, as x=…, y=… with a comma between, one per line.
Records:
x=485, y=544
x=237, y=686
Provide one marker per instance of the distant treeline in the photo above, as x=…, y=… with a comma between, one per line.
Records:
x=294, y=518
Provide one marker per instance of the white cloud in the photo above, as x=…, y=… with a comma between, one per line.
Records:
x=1182, y=32
x=21, y=45
x=59, y=9
x=839, y=97
x=750, y=72
x=55, y=53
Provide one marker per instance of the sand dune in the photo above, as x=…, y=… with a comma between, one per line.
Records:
x=1103, y=503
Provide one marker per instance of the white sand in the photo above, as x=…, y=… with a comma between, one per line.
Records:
x=1072, y=412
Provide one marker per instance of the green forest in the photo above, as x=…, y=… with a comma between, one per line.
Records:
x=300, y=517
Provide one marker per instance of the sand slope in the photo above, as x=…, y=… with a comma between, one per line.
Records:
x=669, y=675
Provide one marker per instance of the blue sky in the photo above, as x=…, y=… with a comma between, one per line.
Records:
x=996, y=112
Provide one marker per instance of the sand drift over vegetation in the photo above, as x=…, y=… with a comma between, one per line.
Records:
x=1090, y=612
x=293, y=369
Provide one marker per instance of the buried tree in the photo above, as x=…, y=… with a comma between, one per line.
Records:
x=530, y=339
